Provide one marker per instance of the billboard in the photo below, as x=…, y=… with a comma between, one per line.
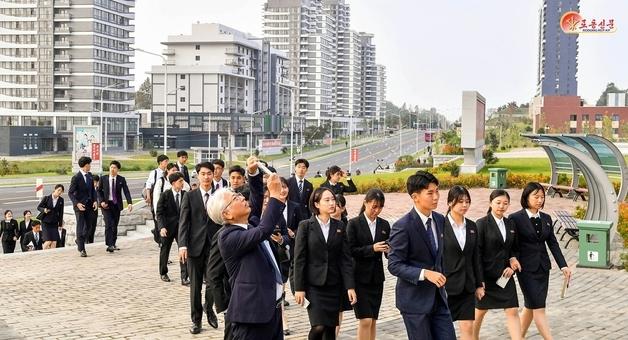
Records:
x=86, y=142
x=270, y=146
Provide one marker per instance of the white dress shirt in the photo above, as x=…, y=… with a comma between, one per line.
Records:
x=324, y=227
x=111, y=188
x=501, y=226
x=459, y=231
x=54, y=200
x=424, y=220
x=372, y=226
x=530, y=214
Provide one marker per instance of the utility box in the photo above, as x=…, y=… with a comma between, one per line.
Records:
x=497, y=178
x=594, y=244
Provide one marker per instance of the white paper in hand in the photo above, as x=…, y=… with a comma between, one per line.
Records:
x=503, y=281
x=306, y=303
x=263, y=167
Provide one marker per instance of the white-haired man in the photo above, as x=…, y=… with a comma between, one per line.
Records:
x=256, y=286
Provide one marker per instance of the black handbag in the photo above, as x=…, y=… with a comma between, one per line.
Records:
x=41, y=214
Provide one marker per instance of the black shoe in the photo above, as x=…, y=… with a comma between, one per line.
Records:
x=196, y=328
x=165, y=278
x=83, y=253
x=286, y=332
x=185, y=282
x=212, y=320
x=169, y=262
x=110, y=249
x=116, y=248
x=286, y=303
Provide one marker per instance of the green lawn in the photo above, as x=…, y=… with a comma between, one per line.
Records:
x=521, y=165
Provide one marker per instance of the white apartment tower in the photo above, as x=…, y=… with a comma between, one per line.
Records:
x=55, y=58
x=368, y=102
x=380, y=111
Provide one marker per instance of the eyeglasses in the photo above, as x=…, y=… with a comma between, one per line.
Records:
x=236, y=195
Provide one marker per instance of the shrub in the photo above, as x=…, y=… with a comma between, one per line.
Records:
x=404, y=162
x=622, y=225
x=152, y=153
x=489, y=156
x=520, y=180
x=580, y=212
x=451, y=150
x=62, y=171
x=451, y=167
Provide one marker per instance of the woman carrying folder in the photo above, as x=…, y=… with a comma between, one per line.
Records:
x=461, y=261
x=534, y=231
x=497, y=242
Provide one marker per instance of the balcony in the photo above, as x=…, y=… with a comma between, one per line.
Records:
x=168, y=51
x=62, y=30
x=62, y=57
x=62, y=17
x=234, y=62
x=63, y=43
x=62, y=3
x=62, y=71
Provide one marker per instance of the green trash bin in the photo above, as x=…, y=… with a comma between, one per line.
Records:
x=497, y=178
x=594, y=243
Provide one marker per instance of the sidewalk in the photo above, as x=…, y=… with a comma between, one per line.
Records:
x=120, y=295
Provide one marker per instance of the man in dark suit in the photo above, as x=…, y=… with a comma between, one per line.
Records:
x=219, y=167
x=62, y=233
x=182, y=160
x=110, y=197
x=32, y=240
x=168, y=209
x=256, y=284
x=195, y=234
x=84, y=201
x=300, y=189
x=416, y=258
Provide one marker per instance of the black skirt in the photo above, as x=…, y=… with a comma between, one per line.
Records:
x=496, y=297
x=462, y=306
x=534, y=288
x=49, y=233
x=369, y=300
x=326, y=303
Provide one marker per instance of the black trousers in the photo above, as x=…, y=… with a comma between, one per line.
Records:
x=91, y=231
x=273, y=330
x=196, y=270
x=112, y=219
x=8, y=246
x=164, y=253
x=83, y=219
x=228, y=328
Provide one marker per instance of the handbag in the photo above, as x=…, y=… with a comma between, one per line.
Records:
x=42, y=214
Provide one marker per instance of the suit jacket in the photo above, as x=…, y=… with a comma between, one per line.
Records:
x=302, y=199
x=494, y=253
x=61, y=243
x=462, y=266
x=369, y=268
x=24, y=228
x=410, y=253
x=54, y=217
x=224, y=184
x=532, y=250
x=340, y=188
x=251, y=274
x=81, y=191
x=218, y=276
x=9, y=230
x=196, y=229
x=167, y=214
x=184, y=170
x=103, y=191
x=29, y=237
x=320, y=263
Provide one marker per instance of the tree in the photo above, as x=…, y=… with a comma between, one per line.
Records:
x=315, y=132
x=144, y=96
x=610, y=88
x=607, y=128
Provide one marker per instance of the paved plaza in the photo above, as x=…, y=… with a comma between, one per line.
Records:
x=56, y=294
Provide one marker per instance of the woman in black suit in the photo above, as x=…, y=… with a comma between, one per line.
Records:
x=334, y=176
x=497, y=246
x=323, y=267
x=9, y=232
x=368, y=235
x=461, y=261
x=51, y=214
x=26, y=225
x=534, y=231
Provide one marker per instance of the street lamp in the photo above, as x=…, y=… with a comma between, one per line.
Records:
x=417, y=131
x=165, y=94
x=400, y=131
x=104, y=131
x=292, y=107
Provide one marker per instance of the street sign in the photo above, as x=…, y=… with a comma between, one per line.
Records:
x=354, y=155
x=429, y=137
x=270, y=146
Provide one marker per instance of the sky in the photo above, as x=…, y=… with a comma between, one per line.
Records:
x=432, y=50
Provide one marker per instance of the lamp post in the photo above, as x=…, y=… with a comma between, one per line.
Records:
x=350, y=139
x=103, y=131
x=165, y=95
x=417, y=131
x=292, y=108
x=400, y=131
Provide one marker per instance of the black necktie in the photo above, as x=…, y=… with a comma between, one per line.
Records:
x=114, y=199
x=177, y=200
x=266, y=251
x=206, y=199
x=430, y=235
x=301, y=187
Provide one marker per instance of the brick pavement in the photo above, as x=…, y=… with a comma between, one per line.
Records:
x=56, y=294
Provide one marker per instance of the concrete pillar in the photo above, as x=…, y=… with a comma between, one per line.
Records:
x=124, y=140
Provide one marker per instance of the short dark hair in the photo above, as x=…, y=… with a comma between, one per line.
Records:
x=218, y=161
x=236, y=168
x=182, y=153
x=172, y=165
x=7, y=211
x=316, y=198
x=494, y=194
x=373, y=194
x=174, y=177
x=116, y=163
x=83, y=161
x=96, y=178
x=341, y=201
x=455, y=194
x=529, y=189
x=284, y=181
x=26, y=212
x=35, y=223
x=59, y=186
x=302, y=161
x=420, y=181
x=332, y=170
x=162, y=158
x=206, y=165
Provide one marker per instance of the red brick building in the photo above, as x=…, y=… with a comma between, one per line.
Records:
x=566, y=114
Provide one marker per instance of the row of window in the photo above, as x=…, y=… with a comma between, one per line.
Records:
x=110, y=56
x=598, y=117
x=110, y=43
x=110, y=30
x=112, y=5
x=110, y=17
x=18, y=12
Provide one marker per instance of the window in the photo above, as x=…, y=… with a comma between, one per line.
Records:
x=198, y=47
x=182, y=76
x=598, y=117
x=182, y=99
x=198, y=58
x=615, y=117
x=585, y=118
x=182, y=109
x=573, y=118
x=572, y=130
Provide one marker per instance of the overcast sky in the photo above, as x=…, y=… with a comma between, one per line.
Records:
x=432, y=50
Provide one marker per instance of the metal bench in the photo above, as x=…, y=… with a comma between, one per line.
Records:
x=569, y=225
x=571, y=192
